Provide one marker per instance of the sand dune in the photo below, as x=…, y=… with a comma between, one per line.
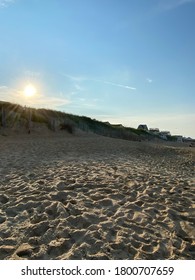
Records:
x=92, y=197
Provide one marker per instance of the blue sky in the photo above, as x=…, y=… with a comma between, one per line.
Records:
x=123, y=61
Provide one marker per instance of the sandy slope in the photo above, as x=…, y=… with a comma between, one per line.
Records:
x=95, y=198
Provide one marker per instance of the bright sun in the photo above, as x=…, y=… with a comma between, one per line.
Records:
x=29, y=90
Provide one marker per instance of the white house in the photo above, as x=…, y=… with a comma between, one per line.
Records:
x=165, y=133
x=179, y=138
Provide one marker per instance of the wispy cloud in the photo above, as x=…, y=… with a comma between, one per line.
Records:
x=32, y=74
x=3, y=88
x=117, y=85
x=149, y=80
x=49, y=102
x=75, y=78
x=78, y=87
x=82, y=78
x=39, y=100
x=6, y=3
x=8, y=94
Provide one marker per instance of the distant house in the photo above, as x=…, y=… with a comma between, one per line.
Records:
x=165, y=133
x=187, y=139
x=162, y=136
x=179, y=138
x=190, y=141
x=143, y=127
x=107, y=123
x=117, y=125
x=154, y=130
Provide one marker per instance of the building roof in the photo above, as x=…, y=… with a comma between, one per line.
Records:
x=143, y=126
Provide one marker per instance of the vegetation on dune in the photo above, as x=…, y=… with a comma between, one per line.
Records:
x=12, y=114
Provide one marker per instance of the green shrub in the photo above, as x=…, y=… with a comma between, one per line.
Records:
x=67, y=127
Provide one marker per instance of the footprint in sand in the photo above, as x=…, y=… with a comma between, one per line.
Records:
x=3, y=198
x=2, y=217
x=38, y=229
x=59, y=247
x=6, y=250
x=24, y=251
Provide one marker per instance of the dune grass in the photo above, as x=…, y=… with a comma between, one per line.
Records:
x=10, y=114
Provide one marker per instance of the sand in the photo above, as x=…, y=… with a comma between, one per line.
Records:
x=92, y=197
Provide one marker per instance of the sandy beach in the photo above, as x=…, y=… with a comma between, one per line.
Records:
x=92, y=197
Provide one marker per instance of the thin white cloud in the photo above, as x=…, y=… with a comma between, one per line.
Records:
x=49, y=102
x=114, y=84
x=32, y=74
x=6, y=3
x=3, y=88
x=81, y=79
x=8, y=94
x=149, y=80
x=119, y=85
x=75, y=78
x=78, y=87
x=39, y=100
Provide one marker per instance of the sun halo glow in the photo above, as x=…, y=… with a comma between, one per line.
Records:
x=29, y=91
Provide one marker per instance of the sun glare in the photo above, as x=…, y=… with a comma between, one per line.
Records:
x=29, y=90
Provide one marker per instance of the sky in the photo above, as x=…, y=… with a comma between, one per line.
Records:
x=128, y=62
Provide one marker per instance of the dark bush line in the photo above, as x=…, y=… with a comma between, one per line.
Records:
x=67, y=127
